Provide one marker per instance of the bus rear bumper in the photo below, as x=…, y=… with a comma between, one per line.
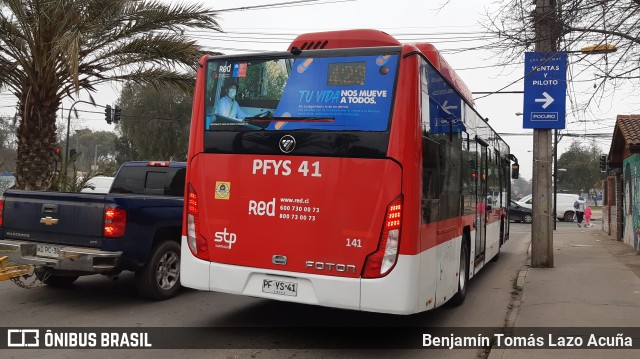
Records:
x=395, y=293
x=336, y=292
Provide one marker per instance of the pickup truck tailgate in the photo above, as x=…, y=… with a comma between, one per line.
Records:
x=52, y=217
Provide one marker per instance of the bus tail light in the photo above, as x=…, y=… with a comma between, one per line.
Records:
x=197, y=243
x=115, y=222
x=1, y=211
x=379, y=263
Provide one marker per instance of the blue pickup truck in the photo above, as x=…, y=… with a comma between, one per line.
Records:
x=135, y=227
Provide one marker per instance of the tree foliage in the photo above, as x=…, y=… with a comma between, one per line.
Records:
x=582, y=168
x=575, y=24
x=125, y=150
x=154, y=124
x=90, y=147
x=520, y=188
x=51, y=49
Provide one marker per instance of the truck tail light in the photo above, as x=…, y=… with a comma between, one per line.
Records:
x=1, y=211
x=115, y=222
x=197, y=243
x=379, y=263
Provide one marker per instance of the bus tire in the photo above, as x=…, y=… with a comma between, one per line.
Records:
x=159, y=279
x=496, y=257
x=463, y=276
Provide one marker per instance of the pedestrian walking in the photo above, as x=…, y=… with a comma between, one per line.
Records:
x=587, y=217
x=578, y=205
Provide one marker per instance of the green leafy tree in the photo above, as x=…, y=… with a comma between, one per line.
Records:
x=98, y=147
x=520, y=187
x=155, y=124
x=125, y=150
x=582, y=169
x=51, y=49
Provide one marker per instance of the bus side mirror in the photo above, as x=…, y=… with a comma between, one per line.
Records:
x=515, y=171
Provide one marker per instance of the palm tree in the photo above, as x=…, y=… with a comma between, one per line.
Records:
x=52, y=49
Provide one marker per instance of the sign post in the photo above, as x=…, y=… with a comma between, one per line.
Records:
x=545, y=92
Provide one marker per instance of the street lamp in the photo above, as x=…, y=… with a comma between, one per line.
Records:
x=66, y=150
x=598, y=49
x=95, y=160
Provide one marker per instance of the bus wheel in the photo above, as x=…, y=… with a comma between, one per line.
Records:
x=463, y=276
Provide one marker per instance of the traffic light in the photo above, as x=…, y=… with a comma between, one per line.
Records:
x=57, y=154
x=116, y=114
x=107, y=114
x=603, y=163
x=73, y=154
x=57, y=157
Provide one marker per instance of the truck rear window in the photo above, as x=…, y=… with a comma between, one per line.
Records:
x=166, y=181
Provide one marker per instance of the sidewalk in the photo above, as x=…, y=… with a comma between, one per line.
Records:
x=595, y=284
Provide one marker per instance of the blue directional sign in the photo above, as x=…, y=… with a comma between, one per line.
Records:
x=545, y=90
x=445, y=105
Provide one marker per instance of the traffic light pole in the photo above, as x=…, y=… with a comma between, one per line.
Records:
x=66, y=145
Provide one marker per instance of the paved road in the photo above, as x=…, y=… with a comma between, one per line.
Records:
x=97, y=302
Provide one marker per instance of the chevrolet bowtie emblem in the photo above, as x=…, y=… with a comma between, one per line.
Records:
x=49, y=221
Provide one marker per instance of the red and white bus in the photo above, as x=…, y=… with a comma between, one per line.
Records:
x=351, y=171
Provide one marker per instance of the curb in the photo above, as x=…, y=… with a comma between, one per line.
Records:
x=512, y=314
x=522, y=276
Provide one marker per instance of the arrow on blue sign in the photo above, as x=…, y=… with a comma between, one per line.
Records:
x=446, y=107
x=548, y=100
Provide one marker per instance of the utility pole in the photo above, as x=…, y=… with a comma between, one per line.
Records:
x=546, y=29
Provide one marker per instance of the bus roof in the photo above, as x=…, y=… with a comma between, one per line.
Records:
x=436, y=59
x=343, y=39
x=375, y=38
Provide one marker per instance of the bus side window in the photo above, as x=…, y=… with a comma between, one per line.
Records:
x=431, y=157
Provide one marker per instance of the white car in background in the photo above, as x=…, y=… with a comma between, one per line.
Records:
x=525, y=201
x=565, y=201
x=100, y=184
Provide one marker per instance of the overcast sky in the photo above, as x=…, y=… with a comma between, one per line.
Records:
x=455, y=29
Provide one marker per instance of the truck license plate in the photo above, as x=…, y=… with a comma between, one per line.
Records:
x=43, y=250
x=279, y=287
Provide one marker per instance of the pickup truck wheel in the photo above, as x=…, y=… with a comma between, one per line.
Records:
x=59, y=281
x=160, y=278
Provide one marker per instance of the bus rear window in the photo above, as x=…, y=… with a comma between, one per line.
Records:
x=347, y=93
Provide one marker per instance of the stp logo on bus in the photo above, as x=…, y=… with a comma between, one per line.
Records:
x=287, y=143
x=226, y=237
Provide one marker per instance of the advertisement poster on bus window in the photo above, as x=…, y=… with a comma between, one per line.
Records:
x=345, y=93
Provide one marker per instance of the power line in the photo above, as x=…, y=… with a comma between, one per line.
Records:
x=283, y=4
